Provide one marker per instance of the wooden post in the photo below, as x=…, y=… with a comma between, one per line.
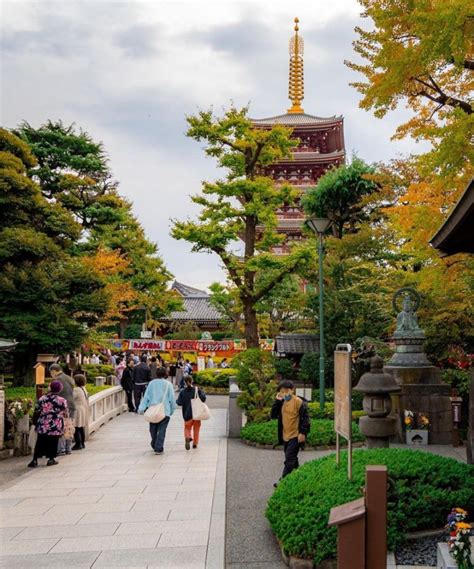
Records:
x=351, y=531
x=376, y=505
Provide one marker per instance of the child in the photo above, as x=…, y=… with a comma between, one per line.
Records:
x=293, y=423
x=191, y=427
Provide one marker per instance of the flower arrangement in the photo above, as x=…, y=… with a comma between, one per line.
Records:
x=409, y=420
x=20, y=407
x=423, y=421
x=459, y=542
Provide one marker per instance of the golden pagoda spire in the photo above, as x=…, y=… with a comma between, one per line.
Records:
x=296, y=83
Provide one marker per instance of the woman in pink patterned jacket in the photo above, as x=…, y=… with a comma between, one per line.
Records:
x=48, y=418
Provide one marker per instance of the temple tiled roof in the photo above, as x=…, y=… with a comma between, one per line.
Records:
x=297, y=343
x=313, y=156
x=294, y=119
x=6, y=345
x=197, y=306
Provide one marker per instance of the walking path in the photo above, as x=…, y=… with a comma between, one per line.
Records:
x=117, y=504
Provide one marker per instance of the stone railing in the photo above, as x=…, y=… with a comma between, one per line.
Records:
x=104, y=406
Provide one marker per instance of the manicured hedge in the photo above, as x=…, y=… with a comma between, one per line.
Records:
x=93, y=370
x=214, y=377
x=328, y=413
x=423, y=488
x=321, y=433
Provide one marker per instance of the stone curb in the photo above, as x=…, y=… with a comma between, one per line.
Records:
x=307, y=448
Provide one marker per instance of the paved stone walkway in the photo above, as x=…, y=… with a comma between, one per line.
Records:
x=116, y=504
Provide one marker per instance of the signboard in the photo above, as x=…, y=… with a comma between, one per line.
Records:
x=343, y=401
x=154, y=345
x=342, y=393
x=146, y=334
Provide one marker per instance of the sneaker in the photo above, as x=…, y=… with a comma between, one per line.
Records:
x=68, y=452
x=76, y=447
x=33, y=463
x=61, y=454
x=187, y=444
x=195, y=446
x=159, y=451
x=52, y=462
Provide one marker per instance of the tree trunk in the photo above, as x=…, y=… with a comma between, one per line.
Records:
x=24, y=361
x=251, y=326
x=123, y=326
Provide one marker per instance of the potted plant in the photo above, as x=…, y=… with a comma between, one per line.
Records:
x=459, y=543
x=416, y=431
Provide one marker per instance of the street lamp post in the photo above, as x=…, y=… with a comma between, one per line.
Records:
x=320, y=225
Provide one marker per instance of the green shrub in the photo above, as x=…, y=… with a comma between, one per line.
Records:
x=285, y=368
x=93, y=370
x=459, y=379
x=328, y=413
x=214, y=377
x=256, y=378
x=422, y=490
x=309, y=368
x=321, y=433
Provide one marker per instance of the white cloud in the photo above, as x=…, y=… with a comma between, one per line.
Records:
x=129, y=72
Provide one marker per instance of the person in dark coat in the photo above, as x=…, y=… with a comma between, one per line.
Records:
x=141, y=379
x=67, y=391
x=126, y=381
x=191, y=427
x=293, y=423
x=48, y=418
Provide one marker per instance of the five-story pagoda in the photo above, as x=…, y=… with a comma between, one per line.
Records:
x=321, y=146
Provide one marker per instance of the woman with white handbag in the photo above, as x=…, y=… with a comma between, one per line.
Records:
x=158, y=404
x=191, y=399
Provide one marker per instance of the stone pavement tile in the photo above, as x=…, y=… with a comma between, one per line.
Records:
x=106, y=543
x=52, y=500
x=105, y=507
x=4, y=502
x=137, y=488
x=32, y=547
x=165, y=526
x=165, y=558
x=9, y=533
x=160, y=495
x=15, y=492
x=92, y=530
x=23, y=509
x=121, y=517
x=152, y=505
x=190, y=514
x=86, y=484
x=44, y=520
x=188, y=496
x=178, y=538
x=50, y=561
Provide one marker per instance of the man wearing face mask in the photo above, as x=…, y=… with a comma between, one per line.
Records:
x=293, y=423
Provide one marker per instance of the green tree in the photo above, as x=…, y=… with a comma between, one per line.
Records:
x=421, y=53
x=47, y=296
x=242, y=206
x=72, y=170
x=344, y=195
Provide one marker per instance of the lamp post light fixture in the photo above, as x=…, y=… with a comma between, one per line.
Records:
x=320, y=225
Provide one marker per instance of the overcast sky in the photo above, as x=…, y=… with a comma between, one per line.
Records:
x=129, y=72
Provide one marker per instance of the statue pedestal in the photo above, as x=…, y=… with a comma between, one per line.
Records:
x=422, y=391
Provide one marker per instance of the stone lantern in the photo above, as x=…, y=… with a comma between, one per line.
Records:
x=376, y=386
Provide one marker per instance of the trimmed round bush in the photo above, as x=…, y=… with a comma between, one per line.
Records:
x=423, y=488
x=214, y=377
x=321, y=433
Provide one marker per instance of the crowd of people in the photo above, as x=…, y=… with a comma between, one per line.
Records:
x=60, y=417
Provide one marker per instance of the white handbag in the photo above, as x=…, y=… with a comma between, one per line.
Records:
x=156, y=413
x=200, y=410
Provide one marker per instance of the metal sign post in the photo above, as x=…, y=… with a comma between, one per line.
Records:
x=343, y=401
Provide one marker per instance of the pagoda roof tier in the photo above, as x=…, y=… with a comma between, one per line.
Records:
x=313, y=157
x=299, y=119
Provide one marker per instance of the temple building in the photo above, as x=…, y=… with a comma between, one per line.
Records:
x=321, y=146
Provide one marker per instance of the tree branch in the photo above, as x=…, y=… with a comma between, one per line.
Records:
x=268, y=287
